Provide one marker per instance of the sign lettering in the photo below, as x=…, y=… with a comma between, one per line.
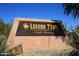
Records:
x=30, y=28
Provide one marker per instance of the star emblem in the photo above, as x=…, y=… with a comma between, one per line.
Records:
x=25, y=25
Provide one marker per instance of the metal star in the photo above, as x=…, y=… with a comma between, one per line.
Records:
x=25, y=25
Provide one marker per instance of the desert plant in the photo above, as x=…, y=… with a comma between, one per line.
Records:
x=74, y=41
x=71, y=9
x=3, y=41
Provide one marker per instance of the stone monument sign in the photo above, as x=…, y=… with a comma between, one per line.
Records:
x=37, y=34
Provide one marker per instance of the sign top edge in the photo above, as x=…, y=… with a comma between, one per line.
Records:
x=37, y=20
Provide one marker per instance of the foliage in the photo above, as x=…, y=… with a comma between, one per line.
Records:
x=7, y=30
x=3, y=41
x=4, y=33
x=4, y=28
x=74, y=38
x=74, y=41
x=71, y=8
x=1, y=26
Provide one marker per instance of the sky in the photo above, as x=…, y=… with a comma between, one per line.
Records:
x=51, y=11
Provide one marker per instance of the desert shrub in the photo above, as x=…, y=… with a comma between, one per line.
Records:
x=3, y=41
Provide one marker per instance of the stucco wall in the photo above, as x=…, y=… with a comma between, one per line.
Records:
x=35, y=42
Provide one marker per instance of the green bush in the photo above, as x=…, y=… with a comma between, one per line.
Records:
x=3, y=41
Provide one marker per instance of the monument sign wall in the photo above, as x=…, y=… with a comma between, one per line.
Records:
x=37, y=34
